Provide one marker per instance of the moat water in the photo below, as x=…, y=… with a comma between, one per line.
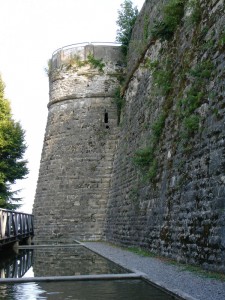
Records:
x=69, y=261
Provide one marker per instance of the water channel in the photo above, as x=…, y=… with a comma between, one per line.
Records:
x=59, y=273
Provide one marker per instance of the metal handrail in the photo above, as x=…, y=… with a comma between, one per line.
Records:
x=14, y=224
x=84, y=44
x=13, y=211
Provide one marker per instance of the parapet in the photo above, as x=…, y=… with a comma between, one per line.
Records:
x=108, y=52
x=86, y=70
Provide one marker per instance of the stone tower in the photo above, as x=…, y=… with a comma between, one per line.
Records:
x=79, y=144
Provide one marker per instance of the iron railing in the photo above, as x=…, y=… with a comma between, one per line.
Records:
x=16, y=266
x=76, y=45
x=62, y=55
x=15, y=226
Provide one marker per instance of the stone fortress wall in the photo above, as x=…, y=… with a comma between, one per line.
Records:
x=168, y=186
x=156, y=181
x=79, y=144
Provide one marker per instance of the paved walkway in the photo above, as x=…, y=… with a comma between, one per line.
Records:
x=186, y=284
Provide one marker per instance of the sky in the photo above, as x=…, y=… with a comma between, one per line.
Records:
x=30, y=30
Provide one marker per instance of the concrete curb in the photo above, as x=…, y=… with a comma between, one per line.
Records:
x=73, y=278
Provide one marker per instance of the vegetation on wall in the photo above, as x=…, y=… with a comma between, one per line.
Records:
x=173, y=13
x=76, y=62
x=162, y=75
x=146, y=158
x=196, y=13
x=162, y=83
x=95, y=63
x=126, y=18
x=48, y=69
x=12, y=148
x=120, y=102
x=191, y=84
x=195, y=95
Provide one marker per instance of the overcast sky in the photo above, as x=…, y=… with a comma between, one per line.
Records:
x=30, y=30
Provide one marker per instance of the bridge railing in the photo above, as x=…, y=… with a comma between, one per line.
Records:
x=15, y=225
x=16, y=266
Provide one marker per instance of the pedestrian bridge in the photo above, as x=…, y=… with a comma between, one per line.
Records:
x=15, y=227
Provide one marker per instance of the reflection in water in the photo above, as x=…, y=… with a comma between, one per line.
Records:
x=15, y=265
x=84, y=290
x=70, y=261
x=67, y=261
x=22, y=291
x=56, y=261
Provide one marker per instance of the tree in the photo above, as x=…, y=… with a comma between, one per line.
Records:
x=12, y=148
x=127, y=16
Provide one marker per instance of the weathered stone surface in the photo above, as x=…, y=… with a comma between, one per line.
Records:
x=89, y=186
x=78, y=150
x=180, y=212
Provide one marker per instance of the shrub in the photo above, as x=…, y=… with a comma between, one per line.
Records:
x=162, y=74
x=95, y=63
x=119, y=100
x=203, y=70
x=158, y=126
x=196, y=13
x=173, y=13
x=144, y=157
x=191, y=124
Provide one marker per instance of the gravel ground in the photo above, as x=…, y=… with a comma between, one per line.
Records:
x=186, y=284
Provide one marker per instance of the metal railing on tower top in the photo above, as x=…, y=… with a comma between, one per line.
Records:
x=79, y=50
x=67, y=47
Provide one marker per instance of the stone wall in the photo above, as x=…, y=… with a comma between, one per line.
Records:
x=71, y=261
x=79, y=145
x=157, y=181
x=168, y=186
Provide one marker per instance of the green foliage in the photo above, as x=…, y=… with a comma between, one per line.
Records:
x=120, y=102
x=141, y=252
x=145, y=158
x=196, y=13
x=95, y=63
x=173, y=13
x=48, y=69
x=145, y=29
x=162, y=75
x=163, y=80
x=152, y=172
x=157, y=127
x=191, y=124
x=203, y=70
x=151, y=65
x=191, y=102
x=222, y=39
x=126, y=18
x=75, y=61
x=195, y=95
x=12, y=148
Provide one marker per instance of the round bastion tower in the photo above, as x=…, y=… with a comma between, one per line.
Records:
x=79, y=144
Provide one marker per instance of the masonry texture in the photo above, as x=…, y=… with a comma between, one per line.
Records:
x=168, y=184
x=158, y=180
x=71, y=261
x=79, y=144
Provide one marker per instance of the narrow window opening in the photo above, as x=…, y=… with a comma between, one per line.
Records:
x=106, y=118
